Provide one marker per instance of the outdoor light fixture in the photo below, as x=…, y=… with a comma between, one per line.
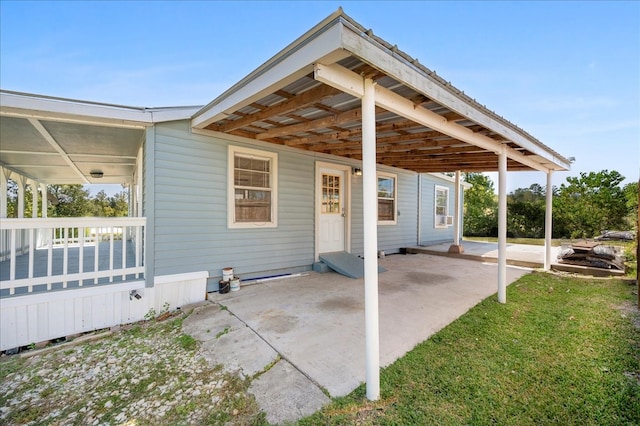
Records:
x=357, y=171
x=134, y=293
x=96, y=174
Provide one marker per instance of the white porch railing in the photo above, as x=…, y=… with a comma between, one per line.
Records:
x=69, y=251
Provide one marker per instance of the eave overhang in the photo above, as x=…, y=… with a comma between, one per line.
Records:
x=64, y=141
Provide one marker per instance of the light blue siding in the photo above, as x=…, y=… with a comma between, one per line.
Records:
x=191, y=210
x=429, y=234
x=390, y=237
x=188, y=209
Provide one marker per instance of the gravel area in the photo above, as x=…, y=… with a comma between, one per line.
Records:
x=143, y=374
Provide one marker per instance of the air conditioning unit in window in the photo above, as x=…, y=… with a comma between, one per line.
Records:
x=449, y=220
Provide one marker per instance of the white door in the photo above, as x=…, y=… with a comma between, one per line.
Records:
x=332, y=209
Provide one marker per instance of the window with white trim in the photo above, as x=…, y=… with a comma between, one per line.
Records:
x=441, y=207
x=387, y=198
x=252, y=188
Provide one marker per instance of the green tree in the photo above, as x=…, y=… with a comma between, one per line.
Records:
x=630, y=191
x=589, y=204
x=526, y=212
x=114, y=206
x=69, y=201
x=480, y=206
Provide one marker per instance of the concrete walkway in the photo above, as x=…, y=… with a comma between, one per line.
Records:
x=529, y=256
x=301, y=339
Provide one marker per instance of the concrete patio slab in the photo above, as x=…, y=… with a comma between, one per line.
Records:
x=227, y=341
x=316, y=322
x=286, y=395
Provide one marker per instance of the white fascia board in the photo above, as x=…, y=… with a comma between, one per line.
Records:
x=173, y=114
x=451, y=179
x=43, y=108
x=298, y=61
x=346, y=80
x=407, y=74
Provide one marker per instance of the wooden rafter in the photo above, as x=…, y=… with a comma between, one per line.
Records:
x=331, y=120
x=291, y=104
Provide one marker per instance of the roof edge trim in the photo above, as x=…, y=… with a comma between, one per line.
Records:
x=21, y=104
x=280, y=56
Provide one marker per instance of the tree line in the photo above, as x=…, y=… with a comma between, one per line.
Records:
x=69, y=201
x=583, y=207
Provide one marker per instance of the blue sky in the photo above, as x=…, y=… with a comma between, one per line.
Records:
x=566, y=72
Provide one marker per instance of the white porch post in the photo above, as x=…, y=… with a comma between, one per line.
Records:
x=370, y=219
x=34, y=199
x=22, y=181
x=45, y=201
x=4, y=178
x=502, y=226
x=548, y=223
x=456, y=247
x=138, y=185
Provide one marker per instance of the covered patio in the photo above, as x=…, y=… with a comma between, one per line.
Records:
x=343, y=91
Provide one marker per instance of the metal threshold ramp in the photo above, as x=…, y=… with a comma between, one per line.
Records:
x=346, y=264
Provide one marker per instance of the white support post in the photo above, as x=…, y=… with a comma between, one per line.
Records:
x=502, y=226
x=21, y=182
x=138, y=185
x=370, y=219
x=34, y=199
x=548, y=223
x=456, y=247
x=45, y=201
x=4, y=178
x=456, y=214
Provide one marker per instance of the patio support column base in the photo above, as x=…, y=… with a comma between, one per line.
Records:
x=456, y=249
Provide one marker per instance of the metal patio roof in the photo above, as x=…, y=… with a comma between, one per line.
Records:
x=290, y=101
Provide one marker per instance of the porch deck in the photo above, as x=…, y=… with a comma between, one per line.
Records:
x=106, y=260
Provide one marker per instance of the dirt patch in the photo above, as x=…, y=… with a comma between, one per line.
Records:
x=425, y=278
x=341, y=304
x=277, y=320
x=631, y=311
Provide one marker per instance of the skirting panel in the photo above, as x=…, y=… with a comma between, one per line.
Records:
x=46, y=316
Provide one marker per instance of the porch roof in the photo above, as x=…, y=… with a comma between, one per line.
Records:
x=62, y=141
x=308, y=97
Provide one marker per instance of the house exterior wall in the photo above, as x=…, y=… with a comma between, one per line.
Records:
x=429, y=233
x=390, y=237
x=189, y=203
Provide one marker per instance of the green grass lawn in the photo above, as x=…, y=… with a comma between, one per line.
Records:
x=562, y=351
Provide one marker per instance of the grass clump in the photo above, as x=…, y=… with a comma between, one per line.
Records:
x=561, y=351
x=187, y=342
